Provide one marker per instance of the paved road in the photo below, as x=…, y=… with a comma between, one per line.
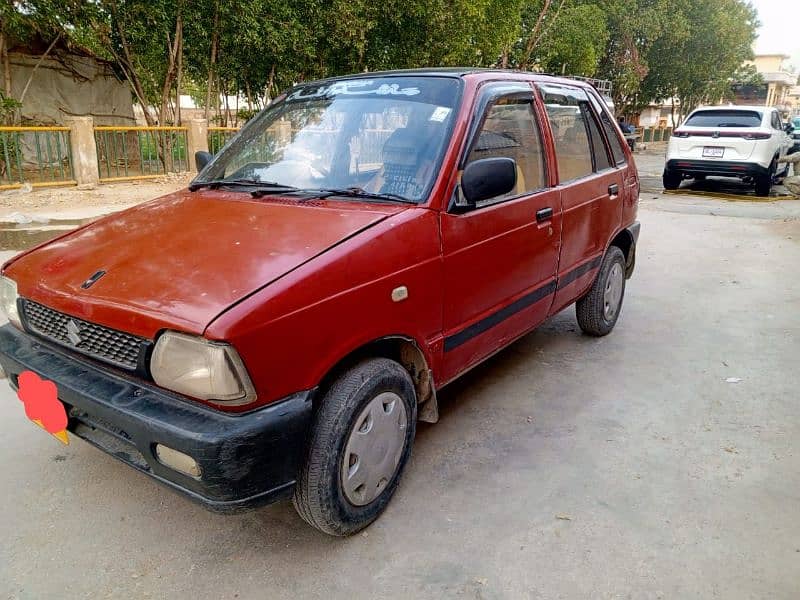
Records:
x=566, y=467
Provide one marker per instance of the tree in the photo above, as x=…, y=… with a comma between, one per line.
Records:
x=697, y=61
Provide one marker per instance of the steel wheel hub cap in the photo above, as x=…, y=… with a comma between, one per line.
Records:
x=612, y=295
x=374, y=448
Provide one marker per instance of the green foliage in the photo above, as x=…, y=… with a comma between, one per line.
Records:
x=696, y=61
x=649, y=49
x=8, y=109
x=575, y=42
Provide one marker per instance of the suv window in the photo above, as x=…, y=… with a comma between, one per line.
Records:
x=776, y=121
x=566, y=110
x=724, y=118
x=510, y=131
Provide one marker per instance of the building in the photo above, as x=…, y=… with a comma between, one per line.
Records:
x=778, y=83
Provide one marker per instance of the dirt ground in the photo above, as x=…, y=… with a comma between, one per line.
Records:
x=659, y=462
x=73, y=203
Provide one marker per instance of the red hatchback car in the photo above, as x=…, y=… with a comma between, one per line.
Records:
x=278, y=328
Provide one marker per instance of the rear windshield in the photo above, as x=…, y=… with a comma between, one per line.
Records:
x=725, y=118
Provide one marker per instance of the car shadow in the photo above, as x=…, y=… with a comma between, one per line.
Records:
x=729, y=187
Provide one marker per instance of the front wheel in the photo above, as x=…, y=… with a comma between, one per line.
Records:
x=359, y=444
x=599, y=309
x=671, y=179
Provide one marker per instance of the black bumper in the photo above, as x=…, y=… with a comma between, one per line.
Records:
x=245, y=460
x=716, y=167
x=633, y=229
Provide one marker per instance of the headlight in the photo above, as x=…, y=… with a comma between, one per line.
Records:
x=8, y=300
x=202, y=369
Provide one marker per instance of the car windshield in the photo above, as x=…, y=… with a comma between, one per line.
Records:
x=382, y=135
x=724, y=118
x=796, y=122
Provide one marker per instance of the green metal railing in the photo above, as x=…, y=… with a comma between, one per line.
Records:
x=41, y=156
x=654, y=134
x=127, y=153
x=219, y=136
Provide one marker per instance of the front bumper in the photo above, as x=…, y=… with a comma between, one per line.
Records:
x=245, y=459
x=716, y=167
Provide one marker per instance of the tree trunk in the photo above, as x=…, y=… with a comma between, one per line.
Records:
x=178, y=82
x=169, y=78
x=213, y=61
x=6, y=65
x=270, y=83
x=227, y=105
x=126, y=62
x=533, y=37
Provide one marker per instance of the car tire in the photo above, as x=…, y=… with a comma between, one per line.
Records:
x=671, y=179
x=364, y=428
x=764, y=182
x=599, y=309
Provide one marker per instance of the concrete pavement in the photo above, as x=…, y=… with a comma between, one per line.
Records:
x=565, y=467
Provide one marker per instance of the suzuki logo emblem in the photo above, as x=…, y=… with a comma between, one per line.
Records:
x=715, y=134
x=73, y=332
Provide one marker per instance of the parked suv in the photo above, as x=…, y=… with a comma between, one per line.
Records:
x=728, y=141
x=278, y=328
x=793, y=129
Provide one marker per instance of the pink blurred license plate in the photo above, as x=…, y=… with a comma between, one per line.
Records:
x=713, y=152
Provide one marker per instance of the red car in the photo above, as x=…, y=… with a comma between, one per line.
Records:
x=278, y=328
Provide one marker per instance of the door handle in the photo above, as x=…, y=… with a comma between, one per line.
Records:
x=613, y=190
x=544, y=214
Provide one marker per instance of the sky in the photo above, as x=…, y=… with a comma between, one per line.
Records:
x=779, y=29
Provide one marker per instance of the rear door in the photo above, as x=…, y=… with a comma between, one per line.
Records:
x=500, y=257
x=592, y=187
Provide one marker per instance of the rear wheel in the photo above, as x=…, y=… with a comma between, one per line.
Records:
x=599, y=310
x=764, y=182
x=671, y=179
x=360, y=442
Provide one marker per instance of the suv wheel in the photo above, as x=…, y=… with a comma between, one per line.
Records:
x=764, y=182
x=599, y=310
x=671, y=179
x=360, y=442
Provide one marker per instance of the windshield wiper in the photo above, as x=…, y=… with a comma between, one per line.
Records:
x=246, y=182
x=357, y=192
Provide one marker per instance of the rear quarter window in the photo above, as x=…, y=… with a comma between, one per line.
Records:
x=725, y=118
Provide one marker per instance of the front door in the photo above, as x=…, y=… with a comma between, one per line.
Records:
x=500, y=257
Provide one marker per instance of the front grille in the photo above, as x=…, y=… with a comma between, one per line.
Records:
x=102, y=343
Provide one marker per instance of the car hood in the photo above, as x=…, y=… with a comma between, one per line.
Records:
x=179, y=261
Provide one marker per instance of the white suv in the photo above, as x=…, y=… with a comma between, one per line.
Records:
x=727, y=141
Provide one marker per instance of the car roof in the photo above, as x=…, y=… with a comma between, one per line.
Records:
x=456, y=73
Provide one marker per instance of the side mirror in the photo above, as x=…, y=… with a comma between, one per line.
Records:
x=488, y=178
x=201, y=159
x=788, y=128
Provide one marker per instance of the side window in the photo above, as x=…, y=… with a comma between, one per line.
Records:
x=510, y=131
x=611, y=130
x=570, y=132
x=599, y=150
x=776, y=121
